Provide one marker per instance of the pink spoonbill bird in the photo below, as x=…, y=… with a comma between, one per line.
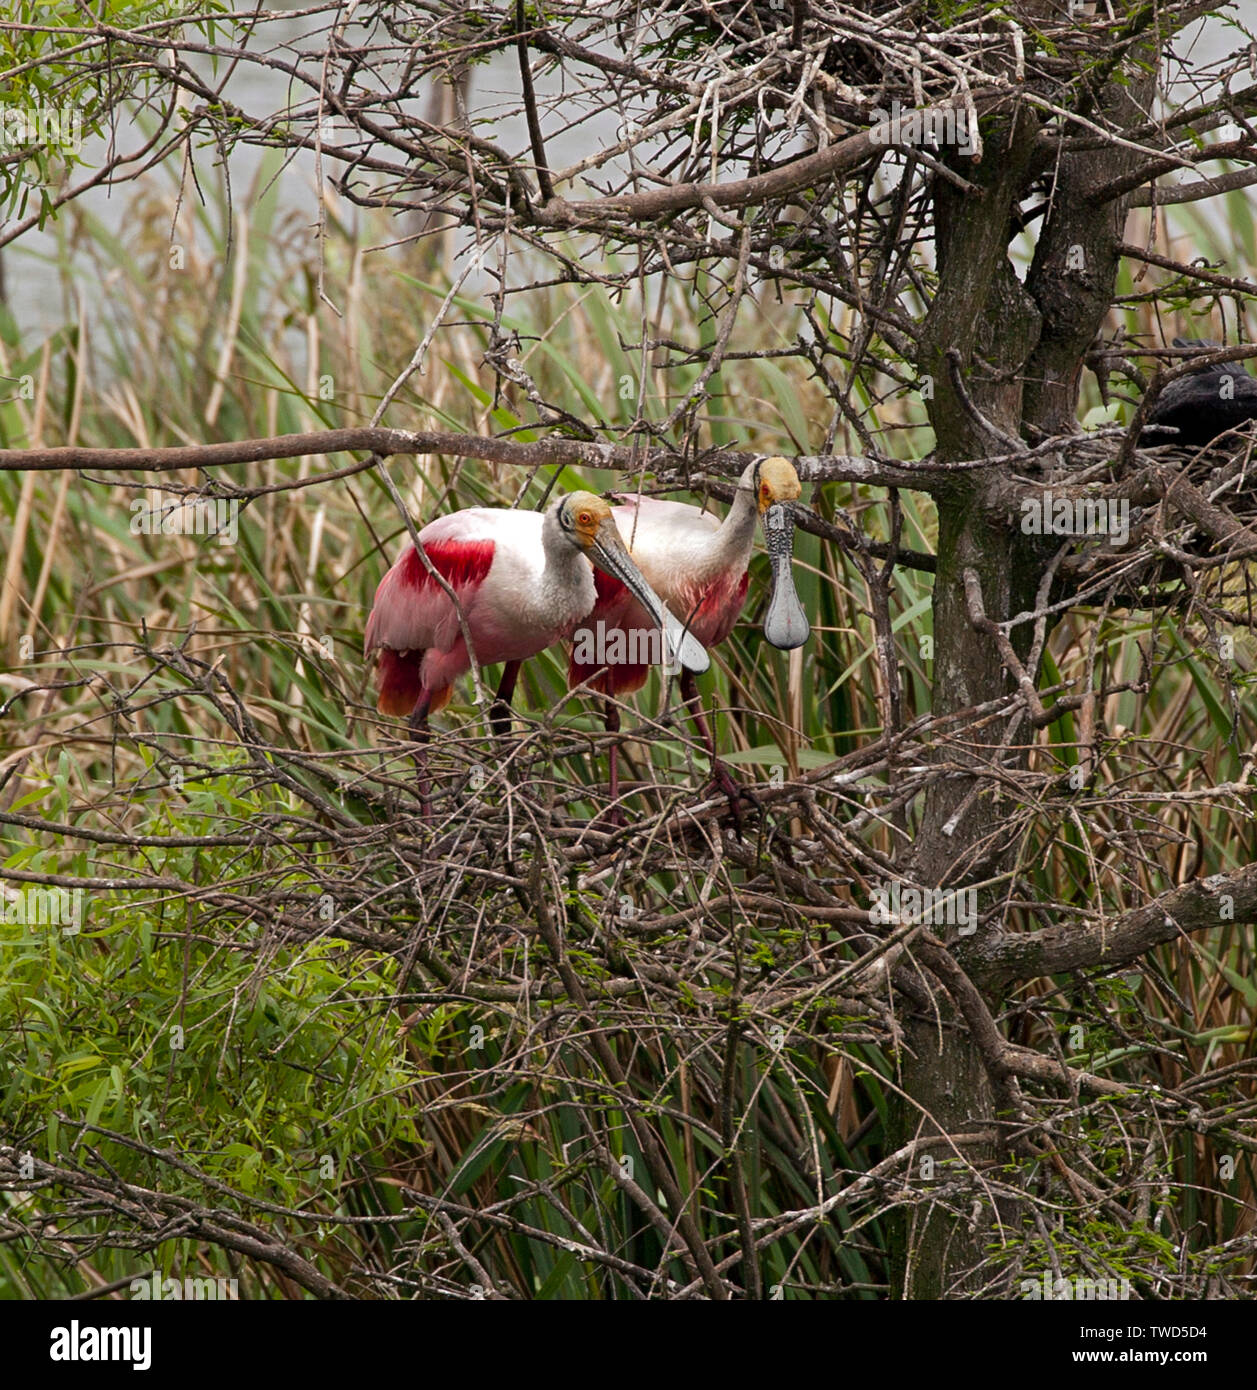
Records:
x=523, y=580
x=698, y=565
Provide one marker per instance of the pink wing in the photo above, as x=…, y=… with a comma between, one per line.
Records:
x=412, y=612
x=615, y=608
x=398, y=682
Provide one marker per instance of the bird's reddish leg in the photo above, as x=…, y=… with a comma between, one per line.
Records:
x=419, y=734
x=721, y=779
x=500, y=714
x=611, y=719
x=694, y=701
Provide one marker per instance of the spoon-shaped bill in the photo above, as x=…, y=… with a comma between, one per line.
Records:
x=786, y=625
x=609, y=553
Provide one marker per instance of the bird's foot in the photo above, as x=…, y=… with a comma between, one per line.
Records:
x=722, y=780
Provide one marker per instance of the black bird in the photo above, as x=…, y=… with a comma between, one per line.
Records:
x=1204, y=403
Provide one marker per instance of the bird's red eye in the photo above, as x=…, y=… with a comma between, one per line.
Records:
x=586, y=518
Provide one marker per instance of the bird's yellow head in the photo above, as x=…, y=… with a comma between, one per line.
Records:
x=582, y=516
x=774, y=481
x=587, y=522
x=776, y=487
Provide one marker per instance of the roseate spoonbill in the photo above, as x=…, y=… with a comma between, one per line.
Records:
x=698, y=566
x=1204, y=403
x=523, y=581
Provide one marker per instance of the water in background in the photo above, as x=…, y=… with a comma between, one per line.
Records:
x=41, y=302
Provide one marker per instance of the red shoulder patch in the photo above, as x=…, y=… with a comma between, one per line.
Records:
x=459, y=563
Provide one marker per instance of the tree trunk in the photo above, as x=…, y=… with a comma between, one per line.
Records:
x=981, y=329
